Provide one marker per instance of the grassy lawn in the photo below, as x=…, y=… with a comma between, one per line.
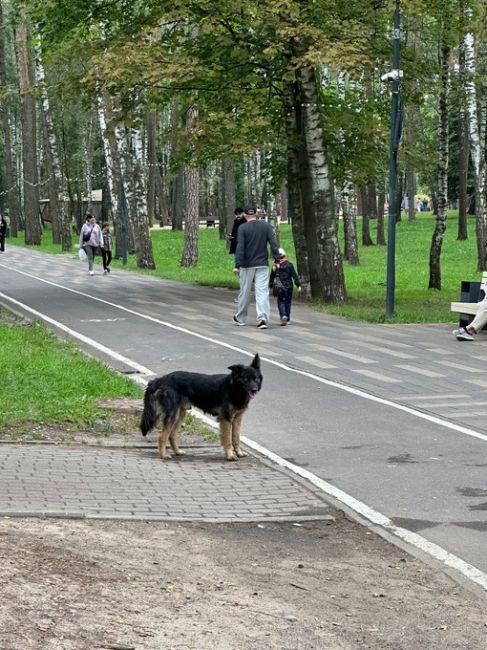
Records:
x=45, y=380
x=49, y=390
x=365, y=284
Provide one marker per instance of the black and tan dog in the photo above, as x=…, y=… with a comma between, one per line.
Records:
x=227, y=397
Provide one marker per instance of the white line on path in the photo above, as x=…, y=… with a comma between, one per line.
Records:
x=448, y=559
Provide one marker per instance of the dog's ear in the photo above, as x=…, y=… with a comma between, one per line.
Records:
x=256, y=362
x=235, y=367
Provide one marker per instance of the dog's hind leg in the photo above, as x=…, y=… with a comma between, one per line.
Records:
x=226, y=439
x=174, y=436
x=236, y=424
x=163, y=438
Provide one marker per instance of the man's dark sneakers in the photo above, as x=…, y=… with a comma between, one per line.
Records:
x=262, y=325
x=237, y=322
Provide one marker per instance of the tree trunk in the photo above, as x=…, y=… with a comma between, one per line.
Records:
x=178, y=201
x=297, y=179
x=7, y=114
x=29, y=138
x=349, y=212
x=229, y=200
x=366, y=238
x=61, y=231
x=463, y=147
x=109, y=156
x=325, y=261
x=192, y=220
x=400, y=192
x=151, y=122
x=142, y=240
x=437, y=239
x=476, y=110
x=284, y=211
x=381, y=239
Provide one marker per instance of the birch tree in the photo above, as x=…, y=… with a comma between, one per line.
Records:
x=477, y=113
x=191, y=223
x=7, y=112
x=440, y=227
x=29, y=136
x=61, y=233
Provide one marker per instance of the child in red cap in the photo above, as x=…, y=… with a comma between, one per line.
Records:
x=281, y=280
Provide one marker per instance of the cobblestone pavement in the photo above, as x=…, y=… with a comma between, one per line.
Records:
x=107, y=483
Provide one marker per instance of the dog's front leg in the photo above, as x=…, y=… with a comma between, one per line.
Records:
x=236, y=424
x=226, y=439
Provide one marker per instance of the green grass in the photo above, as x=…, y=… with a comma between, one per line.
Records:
x=414, y=302
x=45, y=380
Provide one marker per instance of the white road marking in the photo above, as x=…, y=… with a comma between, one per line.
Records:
x=377, y=376
x=448, y=559
x=420, y=371
x=101, y=320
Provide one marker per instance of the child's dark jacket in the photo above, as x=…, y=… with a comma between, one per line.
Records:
x=287, y=273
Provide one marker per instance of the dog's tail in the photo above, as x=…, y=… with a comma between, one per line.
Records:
x=149, y=414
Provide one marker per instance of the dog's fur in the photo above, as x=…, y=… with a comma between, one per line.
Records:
x=227, y=397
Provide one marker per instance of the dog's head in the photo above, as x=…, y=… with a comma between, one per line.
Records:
x=247, y=378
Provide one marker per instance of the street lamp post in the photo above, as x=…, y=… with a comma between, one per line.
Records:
x=394, y=77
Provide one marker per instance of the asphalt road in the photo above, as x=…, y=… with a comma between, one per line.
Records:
x=394, y=416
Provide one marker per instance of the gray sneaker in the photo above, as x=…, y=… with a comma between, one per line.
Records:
x=237, y=322
x=461, y=334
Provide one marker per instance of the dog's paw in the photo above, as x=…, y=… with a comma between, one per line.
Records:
x=180, y=452
x=166, y=456
x=230, y=455
x=241, y=453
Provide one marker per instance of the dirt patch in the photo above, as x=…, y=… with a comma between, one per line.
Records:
x=78, y=585
x=117, y=425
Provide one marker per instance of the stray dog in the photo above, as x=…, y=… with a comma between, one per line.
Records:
x=227, y=397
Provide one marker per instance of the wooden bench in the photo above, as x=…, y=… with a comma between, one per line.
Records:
x=468, y=309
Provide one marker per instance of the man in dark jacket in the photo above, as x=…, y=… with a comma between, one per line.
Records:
x=252, y=264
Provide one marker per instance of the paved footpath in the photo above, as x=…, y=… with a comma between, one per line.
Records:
x=393, y=416
x=133, y=483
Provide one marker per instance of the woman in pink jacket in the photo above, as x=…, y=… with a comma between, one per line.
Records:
x=90, y=240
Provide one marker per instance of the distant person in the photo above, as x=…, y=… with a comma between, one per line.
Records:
x=238, y=220
x=284, y=273
x=425, y=205
x=90, y=240
x=210, y=220
x=252, y=265
x=3, y=233
x=106, y=247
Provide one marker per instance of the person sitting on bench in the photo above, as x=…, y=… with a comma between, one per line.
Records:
x=466, y=333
